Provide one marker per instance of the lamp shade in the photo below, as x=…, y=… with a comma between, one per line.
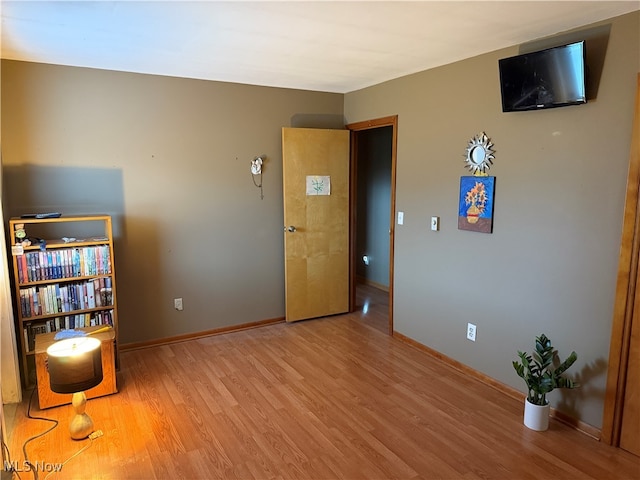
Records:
x=75, y=364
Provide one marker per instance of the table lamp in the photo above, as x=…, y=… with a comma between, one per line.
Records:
x=75, y=365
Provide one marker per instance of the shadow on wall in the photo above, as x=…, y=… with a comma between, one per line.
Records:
x=68, y=190
x=139, y=262
x=78, y=191
x=570, y=398
x=304, y=120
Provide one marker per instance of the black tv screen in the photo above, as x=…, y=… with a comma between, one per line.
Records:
x=554, y=77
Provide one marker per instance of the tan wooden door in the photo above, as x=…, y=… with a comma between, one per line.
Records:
x=621, y=419
x=316, y=217
x=630, y=425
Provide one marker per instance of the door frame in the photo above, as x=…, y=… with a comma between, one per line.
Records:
x=626, y=290
x=354, y=128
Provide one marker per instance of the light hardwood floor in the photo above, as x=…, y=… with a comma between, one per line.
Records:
x=321, y=399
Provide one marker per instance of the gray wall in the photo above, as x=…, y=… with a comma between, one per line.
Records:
x=374, y=204
x=169, y=158
x=550, y=266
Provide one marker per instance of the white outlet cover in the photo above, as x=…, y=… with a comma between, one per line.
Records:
x=471, y=332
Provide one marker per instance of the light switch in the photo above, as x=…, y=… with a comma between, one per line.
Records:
x=435, y=223
x=400, y=218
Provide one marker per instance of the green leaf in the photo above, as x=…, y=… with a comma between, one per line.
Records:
x=566, y=364
x=538, y=373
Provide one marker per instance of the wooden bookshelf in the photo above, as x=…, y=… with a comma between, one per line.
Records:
x=65, y=278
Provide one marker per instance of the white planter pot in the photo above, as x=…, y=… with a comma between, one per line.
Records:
x=536, y=417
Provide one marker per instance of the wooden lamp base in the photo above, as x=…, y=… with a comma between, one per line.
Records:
x=81, y=424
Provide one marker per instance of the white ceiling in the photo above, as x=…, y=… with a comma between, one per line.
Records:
x=330, y=46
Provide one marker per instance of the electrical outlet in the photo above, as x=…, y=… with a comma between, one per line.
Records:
x=435, y=223
x=400, y=218
x=471, y=332
x=177, y=304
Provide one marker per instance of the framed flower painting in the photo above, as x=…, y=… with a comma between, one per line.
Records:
x=475, y=211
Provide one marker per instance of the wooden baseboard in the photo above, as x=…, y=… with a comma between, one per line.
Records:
x=192, y=336
x=579, y=425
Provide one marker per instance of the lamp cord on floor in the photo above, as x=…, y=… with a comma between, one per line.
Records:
x=8, y=452
x=24, y=445
x=92, y=437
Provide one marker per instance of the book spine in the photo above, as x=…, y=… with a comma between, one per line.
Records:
x=53, y=264
x=43, y=292
x=107, y=253
x=46, y=266
x=101, y=264
x=65, y=299
x=42, y=266
x=91, y=300
x=30, y=266
x=96, y=290
x=36, y=306
x=20, y=269
x=49, y=299
x=23, y=303
x=76, y=262
x=108, y=295
x=65, y=263
x=94, y=261
x=83, y=262
x=72, y=298
x=37, y=272
x=56, y=257
x=31, y=339
x=25, y=268
x=58, y=295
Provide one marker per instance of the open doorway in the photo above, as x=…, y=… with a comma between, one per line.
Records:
x=373, y=161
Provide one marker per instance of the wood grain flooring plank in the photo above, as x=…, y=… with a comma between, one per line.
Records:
x=333, y=398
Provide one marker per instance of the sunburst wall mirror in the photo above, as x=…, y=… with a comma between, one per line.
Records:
x=479, y=156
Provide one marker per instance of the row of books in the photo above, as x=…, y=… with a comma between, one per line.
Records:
x=63, y=263
x=65, y=323
x=56, y=298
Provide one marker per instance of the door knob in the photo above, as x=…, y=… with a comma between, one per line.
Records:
x=291, y=229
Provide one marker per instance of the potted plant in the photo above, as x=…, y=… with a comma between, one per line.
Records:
x=542, y=376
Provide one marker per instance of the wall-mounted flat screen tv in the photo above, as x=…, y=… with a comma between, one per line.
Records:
x=549, y=78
